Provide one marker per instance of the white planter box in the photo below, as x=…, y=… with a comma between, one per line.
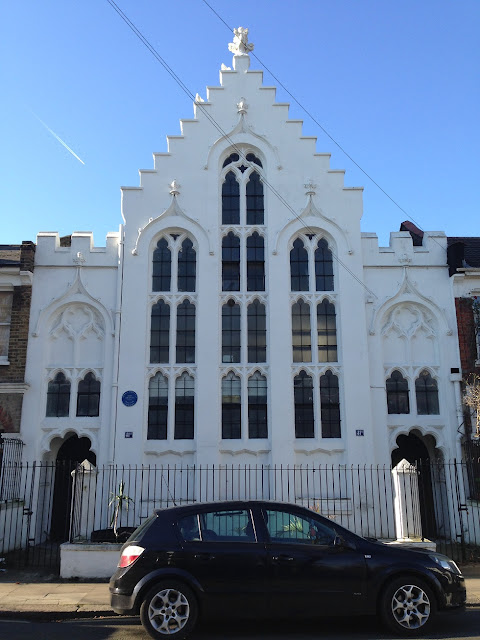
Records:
x=88, y=560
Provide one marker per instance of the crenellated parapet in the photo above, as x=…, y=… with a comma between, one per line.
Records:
x=401, y=251
x=80, y=252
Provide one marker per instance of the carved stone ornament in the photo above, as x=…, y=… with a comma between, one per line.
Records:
x=198, y=98
x=240, y=45
x=174, y=188
x=79, y=259
x=242, y=106
x=310, y=186
x=404, y=259
x=225, y=68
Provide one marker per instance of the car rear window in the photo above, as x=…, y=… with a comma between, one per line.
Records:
x=231, y=525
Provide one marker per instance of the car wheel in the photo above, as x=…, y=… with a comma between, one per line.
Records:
x=169, y=609
x=408, y=606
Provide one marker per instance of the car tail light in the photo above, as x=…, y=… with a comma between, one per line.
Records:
x=129, y=555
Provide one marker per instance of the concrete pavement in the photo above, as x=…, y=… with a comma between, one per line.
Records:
x=25, y=595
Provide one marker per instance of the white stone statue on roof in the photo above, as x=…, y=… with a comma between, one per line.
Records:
x=240, y=45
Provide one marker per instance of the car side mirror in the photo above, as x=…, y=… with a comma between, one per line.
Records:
x=341, y=543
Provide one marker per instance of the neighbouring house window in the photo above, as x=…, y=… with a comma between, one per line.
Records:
x=326, y=332
x=301, y=334
x=426, y=392
x=254, y=193
x=6, y=300
x=299, y=267
x=230, y=200
x=162, y=267
x=231, y=263
x=58, y=397
x=88, y=396
x=187, y=266
x=330, y=405
x=185, y=351
x=184, y=407
x=160, y=332
x=255, y=263
x=157, y=408
x=397, y=394
x=303, y=398
x=231, y=407
x=257, y=332
x=231, y=332
x=323, y=267
x=257, y=406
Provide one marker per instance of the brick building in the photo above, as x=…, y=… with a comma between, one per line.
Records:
x=16, y=274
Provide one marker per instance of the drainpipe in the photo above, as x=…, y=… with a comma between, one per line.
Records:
x=116, y=351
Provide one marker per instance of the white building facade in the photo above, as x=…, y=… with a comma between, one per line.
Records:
x=240, y=316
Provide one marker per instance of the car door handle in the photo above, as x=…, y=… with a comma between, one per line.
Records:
x=204, y=556
x=282, y=558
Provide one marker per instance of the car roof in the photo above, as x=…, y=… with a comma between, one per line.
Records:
x=225, y=504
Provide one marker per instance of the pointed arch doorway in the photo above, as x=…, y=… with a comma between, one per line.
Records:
x=418, y=451
x=73, y=451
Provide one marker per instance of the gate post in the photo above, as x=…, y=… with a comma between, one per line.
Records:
x=84, y=479
x=408, y=522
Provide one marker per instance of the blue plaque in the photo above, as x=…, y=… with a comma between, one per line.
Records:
x=129, y=398
x=128, y=434
x=360, y=432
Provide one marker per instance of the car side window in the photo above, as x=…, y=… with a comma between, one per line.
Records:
x=232, y=525
x=288, y=527
x=189, y=528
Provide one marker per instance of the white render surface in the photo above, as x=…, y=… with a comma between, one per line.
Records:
x=88, y=560
x=91, y=305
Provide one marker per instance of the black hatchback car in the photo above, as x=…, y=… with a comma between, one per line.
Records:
x=252, y=557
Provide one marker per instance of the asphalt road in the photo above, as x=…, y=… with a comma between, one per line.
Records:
x=457, y=627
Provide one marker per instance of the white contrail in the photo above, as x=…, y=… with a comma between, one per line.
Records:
x=58, y=138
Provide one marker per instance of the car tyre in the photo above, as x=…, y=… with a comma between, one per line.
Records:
x=169, y=609
x=408, y=606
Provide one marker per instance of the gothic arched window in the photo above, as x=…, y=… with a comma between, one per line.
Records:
x=231, y=407
x=301, y=334
x=257, y=406
x=255, y=263
x=257, y=332
x=88, y=396
x=187, y=267
x=231, y=331
x=58, y=397
x=185, y=347
x=184, y=407
x=231, y=263
x=157, y=408
x=326, y=332
x=160, y=332
x=299, y=267
x=162, y=267
x=254, y=192
x=330, y=405
x=397, y=394
x=323, y=267
x=303, y=398
x=426, y=392
x=230, y=200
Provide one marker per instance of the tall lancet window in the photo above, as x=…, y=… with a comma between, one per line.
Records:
x=162, y=267
x=323, y=267
x=187, y=267
x=303, y=399
x=299, y=267
x=230, y=200
x=326, y=332
x=255, y=263
x=231, y=263
x=301, y=334
x=254, y=192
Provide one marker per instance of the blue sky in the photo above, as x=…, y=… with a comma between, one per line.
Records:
x=396, y=84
